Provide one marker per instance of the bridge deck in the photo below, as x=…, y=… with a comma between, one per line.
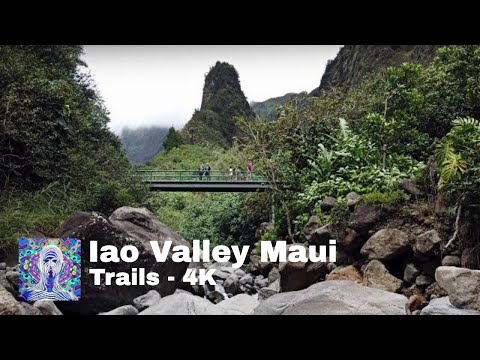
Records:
x=160, y=180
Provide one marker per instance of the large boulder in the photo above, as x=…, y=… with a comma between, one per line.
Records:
x=146, y=300
x=365, y=217
x=426, y=242
x=188, y=304
x=451, y=260
x=5, y=283
x=242, y=304
x=352, y=199
x=126, y=226
x=442, y=306
x=47, y=307
x=328, y=203
x=376, y=275
x=334, y=298
x=346, y=273
x=386, y=244
x=462, y=286
x=299, y=275
x=122, y=310
x=351, y=241
x=30, y=309
x=316, y=233
x=8, y=304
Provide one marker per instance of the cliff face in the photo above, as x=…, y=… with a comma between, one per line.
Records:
x=222, y=101
x=353, y=62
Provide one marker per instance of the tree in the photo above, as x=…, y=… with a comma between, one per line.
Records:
x=174, y=139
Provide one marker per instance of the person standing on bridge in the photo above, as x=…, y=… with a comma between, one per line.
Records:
x=207, y=169
x=200, y=172
x=249, y=169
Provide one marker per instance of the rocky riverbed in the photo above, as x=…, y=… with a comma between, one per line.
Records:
x=385, y=265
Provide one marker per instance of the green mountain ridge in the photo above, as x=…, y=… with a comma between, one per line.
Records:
x=222, y=101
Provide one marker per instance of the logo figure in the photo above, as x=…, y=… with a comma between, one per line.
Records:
x=49, y=269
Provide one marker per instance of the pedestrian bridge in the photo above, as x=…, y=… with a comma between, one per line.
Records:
x=191, y=181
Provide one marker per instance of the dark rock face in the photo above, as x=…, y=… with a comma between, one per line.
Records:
x=127, y=226
x=353, y=62
x=365, y=217
x=222, y=101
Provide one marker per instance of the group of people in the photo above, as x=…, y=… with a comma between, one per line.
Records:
x=233, y=173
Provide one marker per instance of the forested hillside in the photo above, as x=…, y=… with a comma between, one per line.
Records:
x=268, y=109
x=57, y=154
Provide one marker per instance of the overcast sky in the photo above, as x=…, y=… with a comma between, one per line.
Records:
x=162, y=85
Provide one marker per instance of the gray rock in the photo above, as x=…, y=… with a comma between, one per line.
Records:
x=215, y=296
x=338, y=297
x=241, y=304
x=220, y=275
x=265, y=293
x=462, y=286
x=186, y=304
x=228, y=269
x=30, y=309
x=3, y=266
x=365, y=217
x=376, y=275
x=126, y=226
x=247, y=279
x=320, y=236
x=232, y=285
x=6, y=284
x=424, y=280
x=122, y=310
x=410, y=273
x=442, y=306
x=386, y=244
x=261, y=282
x=426, y=242
x=352, y=199
x=350, y=241
x=275, y=286
x=144, y=301
x=240, y=273
x=451, y=260
x=273, y=275
x=47, y=307
x=410, y=188
x=12, y=277
x=8, y=304
x=328, y=203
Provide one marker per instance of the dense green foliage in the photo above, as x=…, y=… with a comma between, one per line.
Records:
x=268, y=109
x=56, y=152
x=222, y=101
x=370, y=137
x=143, y=143
x=221, y=218
x=173, y=139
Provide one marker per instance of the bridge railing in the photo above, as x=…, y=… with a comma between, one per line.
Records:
x=194, y=176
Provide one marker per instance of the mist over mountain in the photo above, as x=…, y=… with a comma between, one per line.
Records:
x=143, y=143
